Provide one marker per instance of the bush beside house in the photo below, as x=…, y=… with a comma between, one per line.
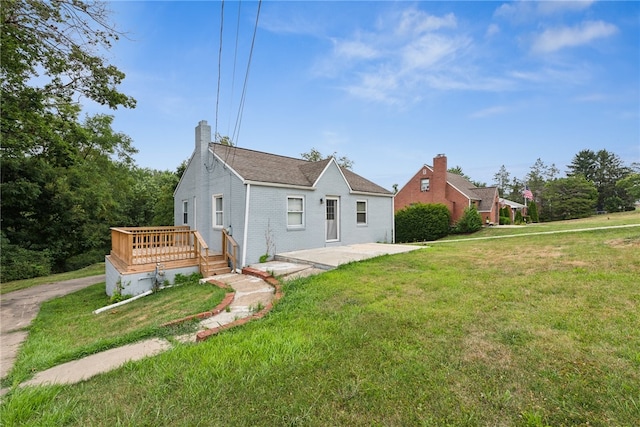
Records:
x=470, y=222
x=421, y=222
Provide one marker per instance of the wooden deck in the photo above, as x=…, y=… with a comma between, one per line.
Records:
x=140, y=249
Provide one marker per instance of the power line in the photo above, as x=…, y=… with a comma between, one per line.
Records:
x=236, y=131
x=219, y=68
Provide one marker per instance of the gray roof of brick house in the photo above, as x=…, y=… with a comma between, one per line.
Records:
x=269, y=168
x=485, y=195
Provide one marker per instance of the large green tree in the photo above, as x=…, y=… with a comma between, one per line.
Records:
x=61, y=178
x=604, y=169
x=569, y=198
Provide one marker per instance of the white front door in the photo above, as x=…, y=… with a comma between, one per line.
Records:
x=332, y=219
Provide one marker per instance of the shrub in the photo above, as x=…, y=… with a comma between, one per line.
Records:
x=20, y=263
x=532, y=211
x=505, y=220
x=518, y=219
x=505, y=211
x=421, y=222
x=470, y=222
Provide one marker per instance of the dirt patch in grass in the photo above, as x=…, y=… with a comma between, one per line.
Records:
x=477, y=347
x=626, y=242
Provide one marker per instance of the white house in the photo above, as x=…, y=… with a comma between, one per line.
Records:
x=271, y=203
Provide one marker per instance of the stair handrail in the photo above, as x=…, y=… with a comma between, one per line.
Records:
x=202, y=252
x=229, y=254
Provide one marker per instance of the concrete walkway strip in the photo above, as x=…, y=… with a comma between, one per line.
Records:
x=82, y=369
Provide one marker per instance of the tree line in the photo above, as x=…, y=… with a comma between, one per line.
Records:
x=65, y=179
x=595, y=181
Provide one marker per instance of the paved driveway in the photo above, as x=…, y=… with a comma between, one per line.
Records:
x=19, y=308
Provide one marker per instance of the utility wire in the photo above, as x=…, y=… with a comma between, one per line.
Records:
x=219, y=67
x=236, y=131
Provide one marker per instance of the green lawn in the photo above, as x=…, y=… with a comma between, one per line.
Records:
x=66, y=328
x=535, y=331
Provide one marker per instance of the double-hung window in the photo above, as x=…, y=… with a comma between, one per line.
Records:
x=185, y=212
x=361, y=212
x=218, y=212
x=424, y=184
x=295, y=211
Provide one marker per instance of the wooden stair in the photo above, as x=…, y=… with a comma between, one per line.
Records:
x=217, y=265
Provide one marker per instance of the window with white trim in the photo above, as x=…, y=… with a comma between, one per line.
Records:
x=218, y=212
x=424, y=184
x=361, y=212
x=185, y=212
x=295, y=211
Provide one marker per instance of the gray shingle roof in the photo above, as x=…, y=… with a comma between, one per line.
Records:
x=271, y=168
x=485, y=195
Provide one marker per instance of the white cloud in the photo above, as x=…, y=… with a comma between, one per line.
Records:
x=522, y=11
x=354, y=49
x=431, y=49
x=487, y=112
x=414, y=22
x=492, y=30
x=554, y=39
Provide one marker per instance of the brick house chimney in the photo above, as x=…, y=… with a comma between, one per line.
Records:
x=439, y=183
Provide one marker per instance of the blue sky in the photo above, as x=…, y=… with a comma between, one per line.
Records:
x=389, y=84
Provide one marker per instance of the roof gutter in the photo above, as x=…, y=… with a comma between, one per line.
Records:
x=276, y=184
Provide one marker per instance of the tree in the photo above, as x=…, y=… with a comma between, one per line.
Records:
x=58, y=42
x=539, y=174
x=532, y=211
x=604, y=170
x=501, y=180
x=61, y=179
x=224, y=140
x=314, y=155
x=631, y=186
x=516, y=188
x=569, y=198
x=458, y=171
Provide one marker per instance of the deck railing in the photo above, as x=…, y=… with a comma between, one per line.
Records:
x=229, y=250
x=144, y=245
x=202, y=252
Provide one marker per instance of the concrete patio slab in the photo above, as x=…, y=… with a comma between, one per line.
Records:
x=331, y=257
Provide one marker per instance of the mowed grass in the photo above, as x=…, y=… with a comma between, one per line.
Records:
x=606, y=220
x=534, y=331
x=66, y=328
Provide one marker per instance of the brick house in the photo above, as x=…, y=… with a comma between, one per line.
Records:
x=433, y=184
x=272, y=203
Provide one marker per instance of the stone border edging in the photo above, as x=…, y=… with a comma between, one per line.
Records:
x=228, y=298
x=268, y=278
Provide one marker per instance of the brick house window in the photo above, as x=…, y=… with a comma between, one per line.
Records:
x=295, y=211
x=424, y=184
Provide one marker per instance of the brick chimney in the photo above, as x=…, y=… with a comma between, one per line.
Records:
x=439, y=183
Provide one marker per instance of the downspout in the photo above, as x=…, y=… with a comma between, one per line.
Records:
x=393, y=219
x=245, y=237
